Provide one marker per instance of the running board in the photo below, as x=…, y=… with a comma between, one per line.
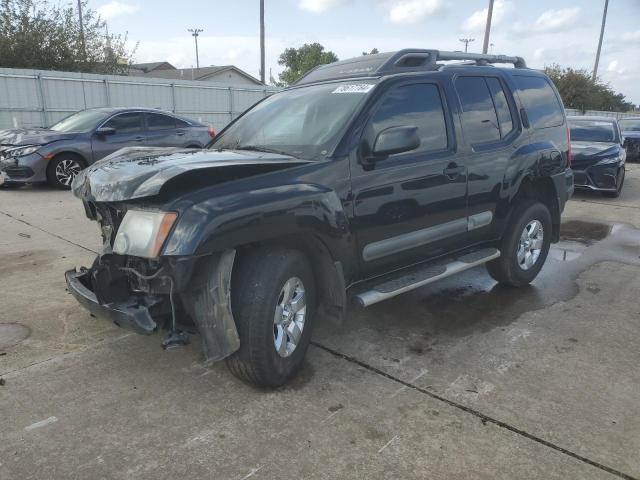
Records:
x=421, y=275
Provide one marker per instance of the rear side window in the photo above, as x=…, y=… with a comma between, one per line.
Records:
x=160, y=122
x=416, y=105
x=126, y=123
x=505, y=117
x=479, y=119
x=540, y=101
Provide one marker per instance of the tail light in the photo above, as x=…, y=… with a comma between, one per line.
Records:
x=211, y=132
x=569, y=154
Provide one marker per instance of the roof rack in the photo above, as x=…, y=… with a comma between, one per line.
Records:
x=407, y=60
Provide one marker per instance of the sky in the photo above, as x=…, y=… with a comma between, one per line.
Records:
x=542, y=31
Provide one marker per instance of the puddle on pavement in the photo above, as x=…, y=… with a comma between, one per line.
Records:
x=473, y=302
x=11, y=334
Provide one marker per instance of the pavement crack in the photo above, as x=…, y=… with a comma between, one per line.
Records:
x=484, y=418
x=47, y=232
x=610, y=204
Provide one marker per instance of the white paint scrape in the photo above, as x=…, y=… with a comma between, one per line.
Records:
x=41, y=423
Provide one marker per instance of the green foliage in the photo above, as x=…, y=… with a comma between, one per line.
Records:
x=578, y=90
x=46, y=36
x=372, y=52
x=299, y=61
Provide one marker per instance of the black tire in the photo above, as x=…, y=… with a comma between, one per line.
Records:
x=257, y=284
x=620, y=182
x=506, y=269
x=70, y=162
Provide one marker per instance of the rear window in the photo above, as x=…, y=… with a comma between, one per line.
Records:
x=592, y=131
x=540, y=101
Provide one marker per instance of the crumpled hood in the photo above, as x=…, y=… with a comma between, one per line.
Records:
x=30, y=136
x=138, y=172
x=584, y=153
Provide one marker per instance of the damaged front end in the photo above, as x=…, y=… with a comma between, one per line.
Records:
x=145, y=295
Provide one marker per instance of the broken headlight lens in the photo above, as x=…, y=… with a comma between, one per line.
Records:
x=142, y=233
x=21, y=151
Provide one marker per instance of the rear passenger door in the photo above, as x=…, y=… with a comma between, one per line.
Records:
x=491, y=131
x=129, y=131
x=410, y=206
x=161, y=131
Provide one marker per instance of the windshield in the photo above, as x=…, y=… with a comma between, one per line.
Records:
x=631, y=125
x=304, y=122
x=592, y=131
x=81, y=122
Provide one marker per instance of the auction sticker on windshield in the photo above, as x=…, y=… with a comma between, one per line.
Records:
x=355, y=88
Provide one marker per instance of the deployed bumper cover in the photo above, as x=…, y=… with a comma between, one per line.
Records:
x=598, y=177
x=28, y=169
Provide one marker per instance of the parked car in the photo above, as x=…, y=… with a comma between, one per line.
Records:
x=58, y=153
x=598, y=155
x=630, y=128
x=368, y=178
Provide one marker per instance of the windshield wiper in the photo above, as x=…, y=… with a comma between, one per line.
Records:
x=260, y=148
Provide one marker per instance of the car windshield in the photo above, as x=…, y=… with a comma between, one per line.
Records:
x=631, y=125
x=303, y=122
x=81, y=122
x=592, y=131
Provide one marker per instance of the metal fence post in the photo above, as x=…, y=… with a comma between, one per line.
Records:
x=173, y=97
x=230, y=104
x=107, y=94
x=43, y=101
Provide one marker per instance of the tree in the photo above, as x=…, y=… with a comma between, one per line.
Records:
x=298, y=61
x=46, y=36
x=372, y=52
x=578, y=90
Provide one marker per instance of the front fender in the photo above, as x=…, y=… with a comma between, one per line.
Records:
x=258, y=215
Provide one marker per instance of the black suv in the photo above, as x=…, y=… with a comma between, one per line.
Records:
x=367, y=178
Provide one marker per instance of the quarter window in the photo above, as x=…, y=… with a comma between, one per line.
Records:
x=505, y=117
x=540, y=101
x=479, y=119
x=126, y=123
x=160, y=122
x=418, y=105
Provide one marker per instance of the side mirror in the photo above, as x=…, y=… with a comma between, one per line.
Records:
x=104, y=131
x=395, y=140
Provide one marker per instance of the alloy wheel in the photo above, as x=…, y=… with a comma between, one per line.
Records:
x=289, y=317
x=530, y=244
x=66, y=171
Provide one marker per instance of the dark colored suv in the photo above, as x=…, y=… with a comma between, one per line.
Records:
x=368, y=178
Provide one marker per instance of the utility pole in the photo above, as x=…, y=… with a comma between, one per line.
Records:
x=604, y=20
x=262, y=68
x=466, y=42
x=195, y=32
x=487, y=30
x=82, y=45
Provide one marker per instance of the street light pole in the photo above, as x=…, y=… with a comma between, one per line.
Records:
x=195, y=32
x=604, y=20
x=466, y=42
x=487, y=30
x=262, y=68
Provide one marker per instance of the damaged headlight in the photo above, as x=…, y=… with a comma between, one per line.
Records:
x=142, y=233
x=21, y=151
x=611, y=160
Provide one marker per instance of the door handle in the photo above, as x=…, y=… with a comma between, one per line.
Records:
x=139, y=139
x=180, y=133
x=453, y=170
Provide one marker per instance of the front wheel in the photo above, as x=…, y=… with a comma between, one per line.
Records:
x=63, y=169
x=273, y=303
x=524, y=246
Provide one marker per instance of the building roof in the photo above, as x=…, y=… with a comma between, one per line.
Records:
x=151, y=66
x=203, y=73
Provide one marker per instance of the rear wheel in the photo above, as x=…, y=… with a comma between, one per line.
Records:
x=62, y=169
x=619, y=184
x=273, y=303
x=524, y=246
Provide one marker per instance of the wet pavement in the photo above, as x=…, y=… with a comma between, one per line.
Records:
x=459, y=379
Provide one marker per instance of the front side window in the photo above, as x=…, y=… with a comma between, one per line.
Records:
x=418, y=105
x=540, y=101
x=303, y=122
x=479, y=119
x=592, y=131
x=126, y=123
x=160, y=122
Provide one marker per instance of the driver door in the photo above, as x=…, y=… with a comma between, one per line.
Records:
x=410, y=206
x=129, y=131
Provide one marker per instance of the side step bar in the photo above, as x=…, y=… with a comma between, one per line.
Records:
x=423, y=275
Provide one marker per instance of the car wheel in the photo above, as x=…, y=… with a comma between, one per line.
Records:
x=273, y=303
x=524, y=246
x=619, y=183
x=63, y=169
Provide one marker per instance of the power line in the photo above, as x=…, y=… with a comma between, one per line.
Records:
x=466, y=42
x=195, y=32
